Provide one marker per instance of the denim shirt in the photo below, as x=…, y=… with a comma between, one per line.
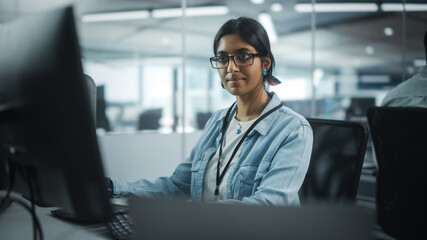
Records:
x=269, y=170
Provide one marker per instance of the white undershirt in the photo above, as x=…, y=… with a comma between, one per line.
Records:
x=231, y=140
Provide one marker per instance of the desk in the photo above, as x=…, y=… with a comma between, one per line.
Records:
x=16, y=223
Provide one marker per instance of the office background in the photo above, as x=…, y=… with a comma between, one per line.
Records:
x=156, y=86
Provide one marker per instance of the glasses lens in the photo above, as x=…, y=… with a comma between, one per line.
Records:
x=241, y=60
x=222, y=61
x=244, y=59
x=213, y=62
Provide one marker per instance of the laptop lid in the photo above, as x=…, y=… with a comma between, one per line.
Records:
x=161, y=219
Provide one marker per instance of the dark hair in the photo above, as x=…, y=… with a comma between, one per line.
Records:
x=253, y=33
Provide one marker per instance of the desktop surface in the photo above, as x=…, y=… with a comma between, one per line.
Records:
x=15, y=223
x=165, y=219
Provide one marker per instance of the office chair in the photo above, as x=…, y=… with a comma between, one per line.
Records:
x=91, y=87
x=149, y=119
x=102, y=120
x=202, y=119
x=336, y=162
x=399, y=136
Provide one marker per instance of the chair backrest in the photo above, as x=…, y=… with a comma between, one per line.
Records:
x=399, y=136
x=102, y=120
x=149, y=119
x=202, y=119
x=91, y=87
x=336, y=161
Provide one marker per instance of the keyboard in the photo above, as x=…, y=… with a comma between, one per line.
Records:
x=120, y=226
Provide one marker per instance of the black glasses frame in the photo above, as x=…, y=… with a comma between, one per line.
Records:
x=214, y=59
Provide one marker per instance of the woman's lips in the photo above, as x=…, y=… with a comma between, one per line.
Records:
x=235, y=80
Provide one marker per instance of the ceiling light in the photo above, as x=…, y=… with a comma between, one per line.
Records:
x=388, y=31
x=191, y=11
x=257, y=1
x=116, y=16
x=267, y=23
x=276, y=7
x=398, y=7
x=336, y=7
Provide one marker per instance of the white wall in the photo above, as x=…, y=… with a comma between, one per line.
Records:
x=144, y=155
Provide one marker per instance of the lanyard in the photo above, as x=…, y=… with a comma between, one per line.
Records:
x=219, y=176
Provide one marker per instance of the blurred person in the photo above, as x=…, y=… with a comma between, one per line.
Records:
x=412, y=92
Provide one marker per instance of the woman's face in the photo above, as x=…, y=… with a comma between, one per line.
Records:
x=240, y=81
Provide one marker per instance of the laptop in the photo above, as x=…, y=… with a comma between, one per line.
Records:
x=166, y=219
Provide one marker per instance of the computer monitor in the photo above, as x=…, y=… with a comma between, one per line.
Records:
x=47, y=131
x=358, y=108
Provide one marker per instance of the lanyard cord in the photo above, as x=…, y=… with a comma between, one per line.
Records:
x=219, y=176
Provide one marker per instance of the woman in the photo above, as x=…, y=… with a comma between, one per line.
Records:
x=257, y=151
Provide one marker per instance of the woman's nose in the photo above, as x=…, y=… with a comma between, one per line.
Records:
x=232, y=67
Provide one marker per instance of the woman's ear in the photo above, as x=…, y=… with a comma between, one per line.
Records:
x=266, y=63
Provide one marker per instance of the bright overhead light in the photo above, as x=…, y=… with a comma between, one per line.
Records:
x=191, y=11
x=116, y=16
x=388, y=31
x=257, y=1
x=398, y=7
x=267, y=23
x=276, y=7
x=336, y=7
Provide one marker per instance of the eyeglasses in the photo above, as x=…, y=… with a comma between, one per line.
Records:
x=241, y=60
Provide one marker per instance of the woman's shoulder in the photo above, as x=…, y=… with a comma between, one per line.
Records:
x=288, y=117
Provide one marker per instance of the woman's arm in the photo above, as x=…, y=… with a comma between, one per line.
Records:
x=177, y=185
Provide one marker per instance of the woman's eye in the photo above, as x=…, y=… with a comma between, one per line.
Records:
x=222, y=59
x=243, y=57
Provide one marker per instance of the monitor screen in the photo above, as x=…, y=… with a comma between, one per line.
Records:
x=358, y=108
x=47, y=130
